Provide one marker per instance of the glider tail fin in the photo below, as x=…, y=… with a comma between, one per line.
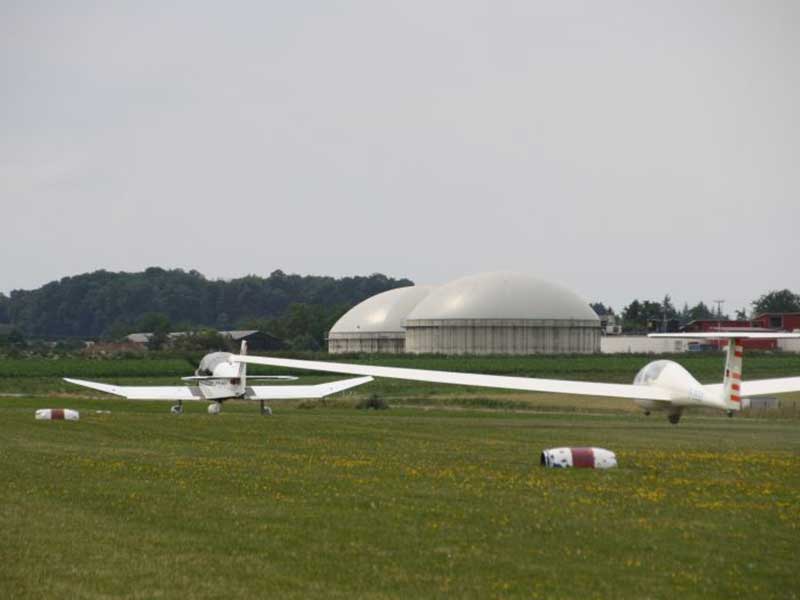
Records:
x=243, y=368
x=732, y=380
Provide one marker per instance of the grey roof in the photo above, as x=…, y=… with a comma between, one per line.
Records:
x=139, y=338
x=239, y=334
x=383, y=313
x=143, y=338
x=502, y=295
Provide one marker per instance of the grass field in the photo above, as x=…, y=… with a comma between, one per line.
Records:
x=410, y=502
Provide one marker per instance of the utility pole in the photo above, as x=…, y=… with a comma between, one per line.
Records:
x=719, y=304
x=664, y=306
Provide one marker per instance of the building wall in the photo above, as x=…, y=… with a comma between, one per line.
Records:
x=715, y=324
x=710, y=325
x=789, y=345
x=640, y=344
x=376, y=343
x=502, y=336
x=788, y=321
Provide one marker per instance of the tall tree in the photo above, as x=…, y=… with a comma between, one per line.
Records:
x=104, y=303
x=684, y=316
x=643, y=315
x=701, y=311
x=667, y=308
x=601, y=310
x=777, y=301
x=4, y=306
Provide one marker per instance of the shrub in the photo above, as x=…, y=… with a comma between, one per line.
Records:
x=373, y=401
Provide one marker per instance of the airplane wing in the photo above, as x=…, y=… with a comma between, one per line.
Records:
x=256, y=392
x=762, y=387
x=556, y=386
x=135, y=392
x=728, y=335
x=249, y=377
x=289, y=392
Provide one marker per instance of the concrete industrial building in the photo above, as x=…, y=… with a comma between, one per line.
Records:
x=489, y=313
x=502, y=313
x=376, y=324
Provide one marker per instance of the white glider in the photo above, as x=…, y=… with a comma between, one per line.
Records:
x=660, y=385
x=218, y=380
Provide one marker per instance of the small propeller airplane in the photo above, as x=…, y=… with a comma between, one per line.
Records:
x=218, y=379
x=662, y=385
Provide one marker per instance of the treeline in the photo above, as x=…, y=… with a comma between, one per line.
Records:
x=649, y=314
x=109, y=305
x=301, y=327
x=298, y=310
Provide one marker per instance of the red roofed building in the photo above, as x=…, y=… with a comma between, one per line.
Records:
x=711, y=325
x=779, y=321
x=707, y=325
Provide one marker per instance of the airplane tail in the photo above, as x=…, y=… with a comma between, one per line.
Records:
x=243, y=368
x=731, y=399
x=732, y=379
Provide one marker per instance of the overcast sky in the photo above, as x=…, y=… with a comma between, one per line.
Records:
x=624, y=149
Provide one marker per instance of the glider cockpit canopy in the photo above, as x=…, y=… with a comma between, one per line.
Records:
x=650, y=373
x=211, y=361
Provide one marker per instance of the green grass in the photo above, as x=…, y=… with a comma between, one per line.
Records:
x=81, y=367
x=611, y=368
x=440, y=496
x=335, y=503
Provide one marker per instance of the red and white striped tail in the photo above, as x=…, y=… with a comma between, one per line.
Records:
x=732, y=382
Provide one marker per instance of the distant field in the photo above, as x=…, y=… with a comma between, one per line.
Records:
x=81, y=367
x=404, y=503
x=611, y=368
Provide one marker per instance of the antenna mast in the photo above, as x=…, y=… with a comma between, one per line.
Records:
x=719, y=304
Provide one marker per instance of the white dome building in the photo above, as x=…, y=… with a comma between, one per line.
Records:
x=377, y=324
x=502, y=313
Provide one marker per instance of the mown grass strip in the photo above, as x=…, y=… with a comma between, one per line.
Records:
x=390, y=504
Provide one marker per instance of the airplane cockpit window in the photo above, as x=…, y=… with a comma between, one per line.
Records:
x=210, y=362
x=650, y=373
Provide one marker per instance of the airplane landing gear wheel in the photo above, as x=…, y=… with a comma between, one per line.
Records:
x=674, y=419
x=266, y=411
x=177, y=409
x=647, y=413
x=730, y=414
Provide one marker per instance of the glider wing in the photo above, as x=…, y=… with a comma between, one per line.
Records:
x=556, y=386
x=762, y=387
x=289, y=392
x=132, y=392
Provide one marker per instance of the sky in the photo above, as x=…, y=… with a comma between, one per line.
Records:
x=623, y=149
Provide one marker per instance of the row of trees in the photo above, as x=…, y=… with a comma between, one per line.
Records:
x=642, y=315
x=106, y=304
x=301, y=327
